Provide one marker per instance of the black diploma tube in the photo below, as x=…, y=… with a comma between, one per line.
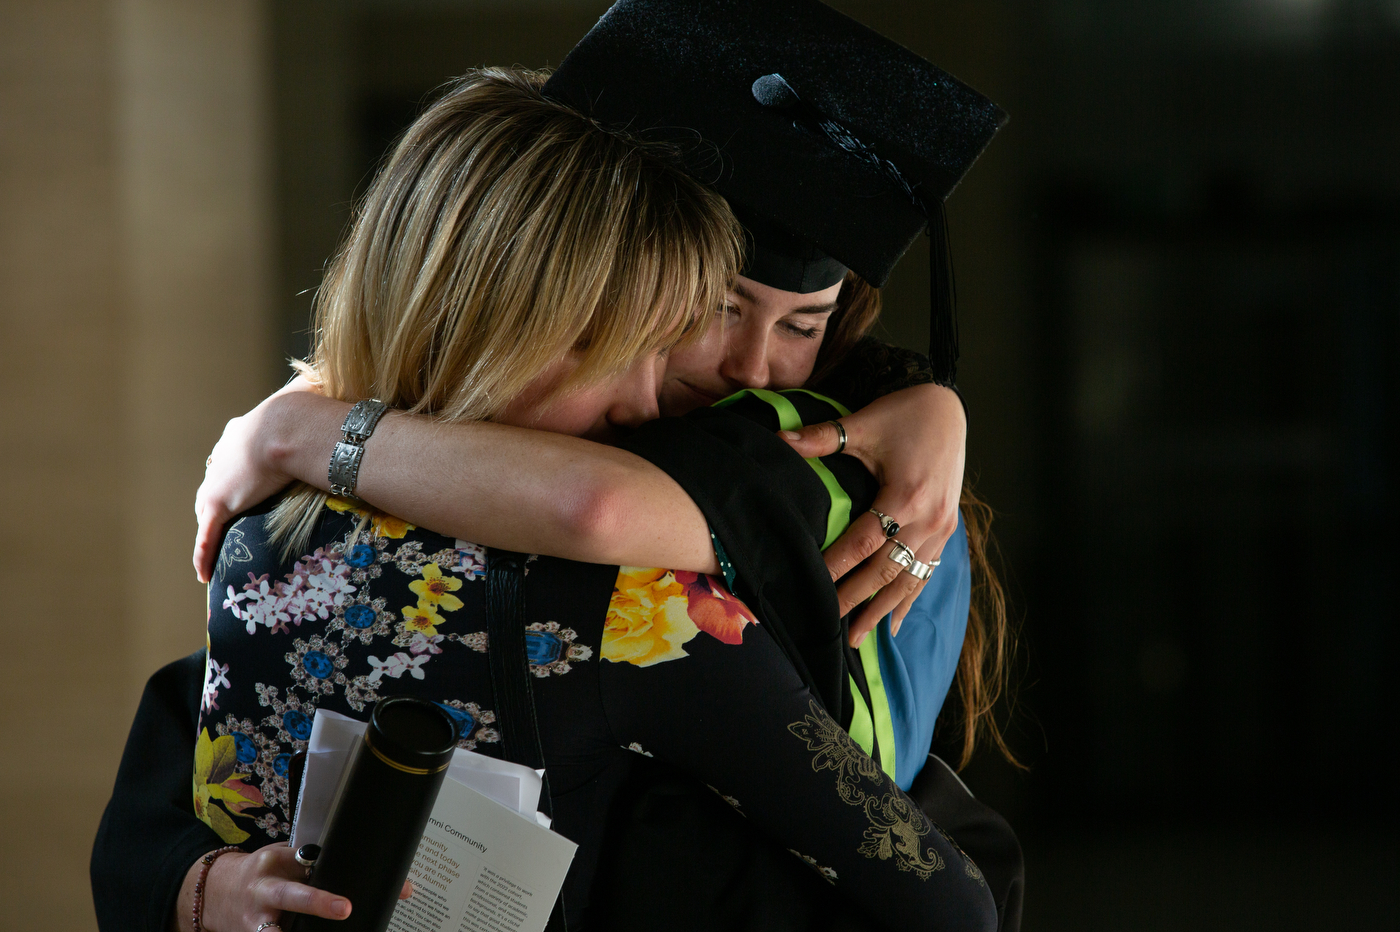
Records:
x=380, y=811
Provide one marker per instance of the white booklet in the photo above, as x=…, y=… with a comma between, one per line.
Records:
x=487, y=862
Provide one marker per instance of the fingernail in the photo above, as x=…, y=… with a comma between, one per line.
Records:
x=341, y=908
x=789, y=435
x=894, y=626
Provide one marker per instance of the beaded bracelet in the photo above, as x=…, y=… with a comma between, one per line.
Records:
x=205, y=863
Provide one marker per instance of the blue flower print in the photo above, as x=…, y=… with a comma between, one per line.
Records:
x=290, y=716
x=359, y=616
x=281, y=764
x=317, y=664
x=463, y=719
x=297, y=723
x=552, y=649
x=473, y=723
x=247, y=752
x=361, y=555
x=362, y=620
x=542, y=647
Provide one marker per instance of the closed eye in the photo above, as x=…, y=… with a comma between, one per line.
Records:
x=807, y=333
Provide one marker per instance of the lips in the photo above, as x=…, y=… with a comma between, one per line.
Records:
x=708, y=397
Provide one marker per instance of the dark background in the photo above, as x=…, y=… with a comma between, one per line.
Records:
x=1179, y=272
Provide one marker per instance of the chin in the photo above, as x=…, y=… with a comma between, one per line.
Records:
x=676, y=400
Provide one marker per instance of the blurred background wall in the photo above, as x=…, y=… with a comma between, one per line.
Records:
x=1179, y=273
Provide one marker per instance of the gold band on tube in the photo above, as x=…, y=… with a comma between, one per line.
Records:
x=396, y=765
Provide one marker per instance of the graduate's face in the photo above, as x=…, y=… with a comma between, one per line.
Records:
x=602, y=412
x=766, y=338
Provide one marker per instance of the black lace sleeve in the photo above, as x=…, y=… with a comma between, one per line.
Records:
x=873, y=369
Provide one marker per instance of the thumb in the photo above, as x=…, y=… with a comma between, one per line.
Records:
x=814, y=440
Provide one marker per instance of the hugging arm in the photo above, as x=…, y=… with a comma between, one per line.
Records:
x=754, y=734
x=911, y=432
x=540, y=492
x=507, y=487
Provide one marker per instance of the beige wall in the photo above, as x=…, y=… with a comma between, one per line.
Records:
x=133, y=321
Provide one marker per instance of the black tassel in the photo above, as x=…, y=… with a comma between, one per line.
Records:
x=943, y=300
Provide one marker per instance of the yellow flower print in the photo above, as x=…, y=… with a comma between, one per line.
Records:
x=648, y=618
x=215, y=779
x=422, y=618
x=381, y=524
x=436, y=589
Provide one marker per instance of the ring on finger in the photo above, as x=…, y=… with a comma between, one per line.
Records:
x=840, y=433
x=306, y=855
x=902, y=555
x=890, y=525
x=921, y=571
x=269, y=925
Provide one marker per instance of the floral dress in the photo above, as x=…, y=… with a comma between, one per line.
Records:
x=627, y=661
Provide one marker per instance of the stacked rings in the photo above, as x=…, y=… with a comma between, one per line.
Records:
x=905, y=557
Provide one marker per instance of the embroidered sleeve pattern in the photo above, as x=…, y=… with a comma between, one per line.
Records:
x=732, y=713
x=897, y=827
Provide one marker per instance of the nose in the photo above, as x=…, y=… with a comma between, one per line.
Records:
x=746, y=357
x=634, y=402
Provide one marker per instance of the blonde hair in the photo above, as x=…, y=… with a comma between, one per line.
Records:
x=505, y=231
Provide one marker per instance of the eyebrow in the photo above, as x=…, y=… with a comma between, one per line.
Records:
x=747, y=295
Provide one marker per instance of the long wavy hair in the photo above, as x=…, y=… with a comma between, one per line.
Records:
x=989, y=646
x=505, y=232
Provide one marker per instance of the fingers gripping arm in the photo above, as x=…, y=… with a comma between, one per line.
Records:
x=913, y=441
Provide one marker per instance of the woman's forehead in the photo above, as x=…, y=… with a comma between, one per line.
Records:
x=788, y=302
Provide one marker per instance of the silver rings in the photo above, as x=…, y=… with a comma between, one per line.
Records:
x=840, y=432
x=906, y=558
x=921, y=571
x=890, y=525
x=902, y=554
x=269, y=925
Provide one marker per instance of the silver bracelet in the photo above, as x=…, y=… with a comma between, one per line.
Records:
x=344, y=470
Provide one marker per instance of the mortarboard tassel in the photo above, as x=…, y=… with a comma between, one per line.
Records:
x=943, y=297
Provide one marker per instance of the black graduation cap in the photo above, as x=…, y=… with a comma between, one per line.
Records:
x=834, y=145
